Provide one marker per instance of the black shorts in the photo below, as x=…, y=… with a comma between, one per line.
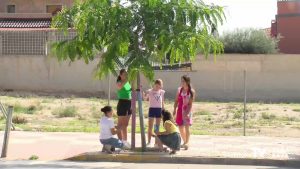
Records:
x=124, y=108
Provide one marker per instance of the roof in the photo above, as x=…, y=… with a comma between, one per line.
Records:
x=25, y=22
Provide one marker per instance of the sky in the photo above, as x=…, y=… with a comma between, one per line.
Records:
x=247, y=13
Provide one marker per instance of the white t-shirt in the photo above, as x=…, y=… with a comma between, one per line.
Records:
x=106, y=124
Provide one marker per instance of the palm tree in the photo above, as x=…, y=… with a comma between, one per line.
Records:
x=135, y=33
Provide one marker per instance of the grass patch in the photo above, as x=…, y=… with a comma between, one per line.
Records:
x=203, y=112
x=288, y=118
x=268, y=116
x=95, y=113
x=238, y=114
x=296, y=110
x=70, y=111
x=18, y=108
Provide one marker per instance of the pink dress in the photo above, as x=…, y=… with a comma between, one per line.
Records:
x=184, y=109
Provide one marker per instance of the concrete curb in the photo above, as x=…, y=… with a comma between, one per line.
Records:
x=177, y=159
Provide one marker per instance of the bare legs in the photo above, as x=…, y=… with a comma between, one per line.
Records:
x=185, y=135
x=150, y=128
x=123, y=125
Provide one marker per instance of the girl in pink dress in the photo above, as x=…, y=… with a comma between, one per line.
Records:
x=183, y=109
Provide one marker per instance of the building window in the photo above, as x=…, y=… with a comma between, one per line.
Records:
x=54, y=9
x=11, y=8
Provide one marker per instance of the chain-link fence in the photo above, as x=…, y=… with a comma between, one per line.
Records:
x=29, y=42
x=37, y=42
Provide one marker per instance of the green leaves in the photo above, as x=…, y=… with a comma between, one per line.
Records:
x=138, y=32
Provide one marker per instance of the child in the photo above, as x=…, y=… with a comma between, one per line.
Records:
x=170, y=137
x=108, y=129
x=156, y=100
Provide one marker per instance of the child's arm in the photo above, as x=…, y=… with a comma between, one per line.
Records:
x=163, y=100
x=175, y=104
x=167, y=128
x=146, y=95
x=114, y=131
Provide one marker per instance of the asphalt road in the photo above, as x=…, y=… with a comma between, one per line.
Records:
x=107, y=165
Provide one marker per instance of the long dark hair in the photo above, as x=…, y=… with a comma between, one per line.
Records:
x=188, y=82
x=166, y=115
x=121, y=72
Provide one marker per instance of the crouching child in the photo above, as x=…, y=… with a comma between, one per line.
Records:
x=170, y=137
x=108, y=130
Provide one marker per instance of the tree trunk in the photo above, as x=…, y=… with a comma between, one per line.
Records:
x=141, y=114
x=133, y=109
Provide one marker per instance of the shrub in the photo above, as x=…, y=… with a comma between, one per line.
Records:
x=18, y=108
x=33, y=157
x=69, y=111
x=296, y=110
x=268, y=116
x=19, y=119
x=250, y=41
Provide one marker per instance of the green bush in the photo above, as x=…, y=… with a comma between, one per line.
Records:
x=249, y=41
x=69, y=111
x=34, y=157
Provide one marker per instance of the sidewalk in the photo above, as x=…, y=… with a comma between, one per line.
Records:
x=85, y=146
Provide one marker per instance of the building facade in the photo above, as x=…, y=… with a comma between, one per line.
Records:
x=29, y=13
x=287, y=26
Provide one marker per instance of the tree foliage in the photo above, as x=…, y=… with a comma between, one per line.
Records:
x=133, y=33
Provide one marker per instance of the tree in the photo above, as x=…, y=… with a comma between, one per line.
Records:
x=134, y=33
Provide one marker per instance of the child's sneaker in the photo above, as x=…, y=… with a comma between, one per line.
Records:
x=126, y=146
x=107, y=148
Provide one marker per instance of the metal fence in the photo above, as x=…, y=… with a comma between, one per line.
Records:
x=37, y=42
x=29, y=42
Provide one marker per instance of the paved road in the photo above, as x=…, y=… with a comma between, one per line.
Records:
x=58, y=146
x=102, y=165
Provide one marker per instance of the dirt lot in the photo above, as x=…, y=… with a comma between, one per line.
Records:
x=210, y=118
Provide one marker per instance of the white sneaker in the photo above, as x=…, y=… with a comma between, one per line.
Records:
x=107, y=149
x=127, y=146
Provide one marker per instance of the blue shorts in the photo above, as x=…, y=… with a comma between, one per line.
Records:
x=155, y=112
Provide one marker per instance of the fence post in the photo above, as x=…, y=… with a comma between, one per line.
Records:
x=7, y=131
x=4, y=112
x=245, y=100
